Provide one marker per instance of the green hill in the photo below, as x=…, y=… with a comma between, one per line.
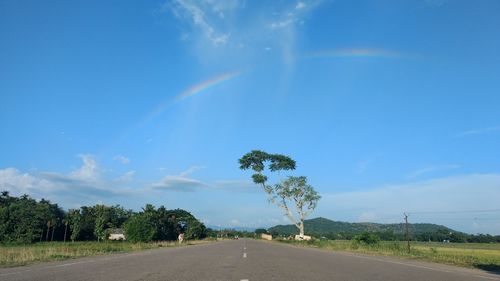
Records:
x=319, y=227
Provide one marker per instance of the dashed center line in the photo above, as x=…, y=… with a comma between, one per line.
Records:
x=244, y=255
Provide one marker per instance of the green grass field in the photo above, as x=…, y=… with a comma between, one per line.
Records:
x=474, y=255
x=16, y=255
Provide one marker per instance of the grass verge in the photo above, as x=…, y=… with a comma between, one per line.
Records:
x=484, y=256
x=17, y=255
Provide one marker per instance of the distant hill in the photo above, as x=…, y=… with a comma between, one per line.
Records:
x=237, y=228
x=324, y=227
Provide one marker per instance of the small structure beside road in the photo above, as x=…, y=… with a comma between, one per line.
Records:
x=117, y=234
x=266, y=236
x=304, y=238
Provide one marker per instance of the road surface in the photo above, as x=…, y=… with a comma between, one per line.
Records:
x=239, y=260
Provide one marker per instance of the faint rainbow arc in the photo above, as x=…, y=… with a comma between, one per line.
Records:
x=193, y=90
x=207, y=84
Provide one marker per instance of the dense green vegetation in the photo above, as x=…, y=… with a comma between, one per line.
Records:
x=16, y=255
x=25, y=220
x=321, y=227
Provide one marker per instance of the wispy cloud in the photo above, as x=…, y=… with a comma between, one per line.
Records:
x=215, y=27
x=240, y=186
x=479, y=131
x=126, y=177
x=185, y=182
x=300, y=6
x=356, y=53
x=122, y=159
x=387, y=203
x=181, y=182
x=431, y=169
x=197, y=13
x=363, y=165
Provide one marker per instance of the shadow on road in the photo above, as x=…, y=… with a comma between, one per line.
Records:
x=490, y=267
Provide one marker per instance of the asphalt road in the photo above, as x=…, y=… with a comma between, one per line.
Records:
x=239, y=260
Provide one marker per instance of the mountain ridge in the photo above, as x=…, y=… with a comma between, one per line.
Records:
x=338, y=229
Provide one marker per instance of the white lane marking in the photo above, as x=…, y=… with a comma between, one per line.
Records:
x=16, y=272
x=491, y=278
x=244, y=280
x=47, y=267
x=69, y=264
x=244, y=255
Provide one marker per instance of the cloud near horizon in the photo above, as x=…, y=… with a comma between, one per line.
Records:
x=426, y=201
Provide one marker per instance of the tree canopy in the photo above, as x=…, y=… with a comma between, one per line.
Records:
x=293, y=190
x=26, y=220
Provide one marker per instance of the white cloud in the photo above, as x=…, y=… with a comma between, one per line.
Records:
x=431, y=198
x=126, y=177
x=122, y=159
x=194, y=11
x=180, y=182
x=89, y=171
x=235, y=222
x=479, y=131
x=300, y=5
x=245, y=186
x=191, y=170
x=281, y=24
x=431, y=169
x=81, y=186
x=219, y=30
x=19, y=183
x=367, y=217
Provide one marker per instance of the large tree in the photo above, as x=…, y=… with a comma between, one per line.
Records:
x=294, y=191
x=75, y=223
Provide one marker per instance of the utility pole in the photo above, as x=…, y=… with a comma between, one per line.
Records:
x=407, y=233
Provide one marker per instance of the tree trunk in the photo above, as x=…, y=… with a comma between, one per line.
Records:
x=48, y=230
x=301, y=229
x=52, y=236
x=65, y=231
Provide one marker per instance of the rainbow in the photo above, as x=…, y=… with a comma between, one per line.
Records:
x=207, y=84
x=355, y=53
x=194, y=90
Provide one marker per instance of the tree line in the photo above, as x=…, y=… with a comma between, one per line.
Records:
x=26, y=220
x=438, y=235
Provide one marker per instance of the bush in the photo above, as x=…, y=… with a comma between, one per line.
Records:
x=139, y=229
x=367, y=238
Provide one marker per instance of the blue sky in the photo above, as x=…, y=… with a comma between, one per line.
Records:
x=387, y=106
